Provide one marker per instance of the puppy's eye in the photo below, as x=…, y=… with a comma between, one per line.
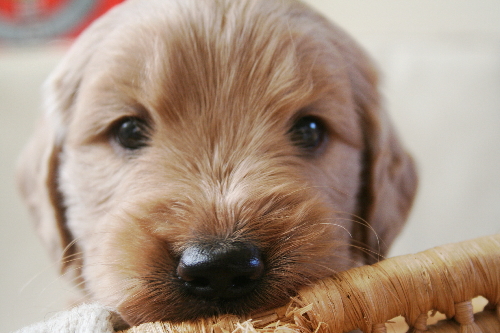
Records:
x=308, y=133
x=132, y=133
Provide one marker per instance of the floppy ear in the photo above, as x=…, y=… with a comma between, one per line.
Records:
x=390, y=186
x=38, y=166
x=37, y=178
x=389, y=177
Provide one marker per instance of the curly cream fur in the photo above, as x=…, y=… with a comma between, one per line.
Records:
x=221, y=82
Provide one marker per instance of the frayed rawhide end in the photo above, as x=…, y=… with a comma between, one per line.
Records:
x=443, y=279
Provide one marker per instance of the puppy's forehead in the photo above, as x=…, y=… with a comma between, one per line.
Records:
x=216, y=59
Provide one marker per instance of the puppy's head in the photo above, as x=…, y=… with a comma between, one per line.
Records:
x=208, y=157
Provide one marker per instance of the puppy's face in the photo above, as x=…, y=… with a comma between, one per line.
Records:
x=212, y=158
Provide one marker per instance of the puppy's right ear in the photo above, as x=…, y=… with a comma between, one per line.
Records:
x=38, y=166
x=37, y=173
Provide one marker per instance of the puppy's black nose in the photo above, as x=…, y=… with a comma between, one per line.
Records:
x=220, y=271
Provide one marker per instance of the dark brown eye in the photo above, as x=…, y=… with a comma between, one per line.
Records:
x=132, y=133
x=308, y=133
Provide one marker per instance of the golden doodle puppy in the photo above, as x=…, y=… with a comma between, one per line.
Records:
x=207, y=157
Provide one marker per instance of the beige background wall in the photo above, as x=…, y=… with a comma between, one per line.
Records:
x=441, y=65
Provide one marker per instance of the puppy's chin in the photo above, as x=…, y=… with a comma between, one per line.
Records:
x=139, y=262
x=160, y=296
x=175, y=306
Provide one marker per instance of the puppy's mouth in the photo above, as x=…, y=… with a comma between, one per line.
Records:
x=211, y=279
x=204, y=274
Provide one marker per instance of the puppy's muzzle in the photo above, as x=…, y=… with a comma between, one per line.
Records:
x=220, y=270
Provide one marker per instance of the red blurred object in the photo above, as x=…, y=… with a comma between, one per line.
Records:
x=34, y=20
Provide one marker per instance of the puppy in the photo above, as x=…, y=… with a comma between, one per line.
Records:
x=199, y=158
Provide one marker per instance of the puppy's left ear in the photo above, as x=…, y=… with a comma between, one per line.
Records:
x=389, y=177
x=390, y=185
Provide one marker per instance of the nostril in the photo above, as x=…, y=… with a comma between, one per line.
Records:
x=221, y=270
x=241, y=281
x=242, y=284
x=199, y=282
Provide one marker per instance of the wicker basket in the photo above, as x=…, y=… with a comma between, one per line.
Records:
x=443, y=279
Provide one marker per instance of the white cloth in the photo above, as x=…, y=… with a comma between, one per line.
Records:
x=85, y=318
